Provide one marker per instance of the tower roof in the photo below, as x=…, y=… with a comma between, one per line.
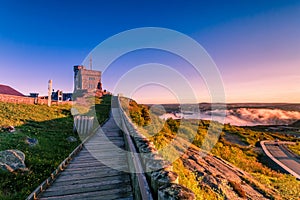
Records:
x=4, y=89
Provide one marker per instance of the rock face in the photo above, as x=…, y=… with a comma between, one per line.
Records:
x=12, y=160
x=223, y=177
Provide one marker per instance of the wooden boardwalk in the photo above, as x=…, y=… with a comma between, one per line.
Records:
x=87, y=177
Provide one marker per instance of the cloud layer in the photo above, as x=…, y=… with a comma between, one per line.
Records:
x=247, y=116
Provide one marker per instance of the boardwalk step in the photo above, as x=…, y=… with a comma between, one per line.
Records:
x=101, y=189
x=97, y=172
x=84, y=173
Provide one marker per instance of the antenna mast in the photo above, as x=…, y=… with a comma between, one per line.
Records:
x=91, y=62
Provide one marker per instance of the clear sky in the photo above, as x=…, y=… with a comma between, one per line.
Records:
x=255, y=44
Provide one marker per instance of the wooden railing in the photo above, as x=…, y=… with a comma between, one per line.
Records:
x=83, y=124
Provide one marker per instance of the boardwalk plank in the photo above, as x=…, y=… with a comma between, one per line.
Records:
x=79, y=181
x=115, y=194
x=88, y=186
x=101, y=191
x=89, y=177
x=86, y=173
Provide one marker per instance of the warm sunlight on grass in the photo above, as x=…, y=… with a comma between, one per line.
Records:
x=295, y=148
x=245, y=155
x=51, y=126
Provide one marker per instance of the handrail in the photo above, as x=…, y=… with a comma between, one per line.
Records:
x=144, y=188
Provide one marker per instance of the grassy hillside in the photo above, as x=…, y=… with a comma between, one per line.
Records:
x=51, y=126
x=238, y=146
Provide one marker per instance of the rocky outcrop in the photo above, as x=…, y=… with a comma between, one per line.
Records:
x=12, y=160
x=223, y=177
x=211, y=171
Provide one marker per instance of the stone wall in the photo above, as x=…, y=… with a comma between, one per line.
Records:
x=163, y=181
x=60, y=103
x=27, y=100
x=16, y=99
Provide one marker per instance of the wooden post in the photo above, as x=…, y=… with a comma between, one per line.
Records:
x=49, y=92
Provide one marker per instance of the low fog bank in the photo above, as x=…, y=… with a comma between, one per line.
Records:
x=244, y=116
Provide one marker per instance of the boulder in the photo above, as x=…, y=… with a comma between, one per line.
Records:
x=11, y=129
x=71, y=139
x=12, y=160
x=31, y=141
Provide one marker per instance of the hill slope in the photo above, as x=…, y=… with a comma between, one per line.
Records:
x=230, y=171
x=51, y=126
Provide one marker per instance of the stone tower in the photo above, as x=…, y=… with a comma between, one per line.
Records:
x=87, y=80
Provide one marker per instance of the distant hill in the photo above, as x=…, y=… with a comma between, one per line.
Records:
x=296, y=124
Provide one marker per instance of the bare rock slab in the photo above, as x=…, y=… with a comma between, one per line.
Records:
x=12, y=160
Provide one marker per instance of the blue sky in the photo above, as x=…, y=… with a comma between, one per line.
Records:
x=255, y=44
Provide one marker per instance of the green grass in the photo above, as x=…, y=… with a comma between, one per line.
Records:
x=295, y=148
x=51, y=126
x=102, y=108
x=190, y=180
x=248, y=160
